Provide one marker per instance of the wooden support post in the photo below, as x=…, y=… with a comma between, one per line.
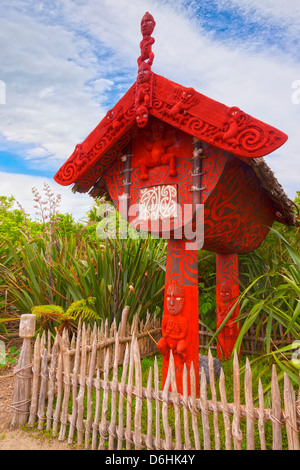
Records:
x=227, y=295
x=23, y=374
x=125, y=198
x=180, y=324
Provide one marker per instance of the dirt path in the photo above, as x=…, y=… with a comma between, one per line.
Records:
x=19, y=439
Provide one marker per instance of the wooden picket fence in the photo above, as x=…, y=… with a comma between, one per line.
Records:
x=79, y=393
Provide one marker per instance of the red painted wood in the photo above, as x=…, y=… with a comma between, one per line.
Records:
x=227, y=128
x=238, y=212
x=101, y=146
x=158, y=119
x=212, y=166
x=227, y=288
x=180, y=327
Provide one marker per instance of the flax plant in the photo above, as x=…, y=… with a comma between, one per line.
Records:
x=6, y=315
x=47, y=210
x=116, y=273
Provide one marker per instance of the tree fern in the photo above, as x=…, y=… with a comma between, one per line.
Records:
x=84, y=308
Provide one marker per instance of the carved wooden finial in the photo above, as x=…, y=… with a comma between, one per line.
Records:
x=143, y=93
x=147, y=28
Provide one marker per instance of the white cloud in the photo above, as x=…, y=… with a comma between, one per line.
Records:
x=279, y=11
x=48, y=104
x=65, y=58
x=20, y=186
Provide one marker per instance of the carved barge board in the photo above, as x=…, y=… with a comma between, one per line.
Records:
x=226, y=128
x=101, y=146
x=230, y=129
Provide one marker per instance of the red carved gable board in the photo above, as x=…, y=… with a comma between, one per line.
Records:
x=101, y=145
x=226, y=128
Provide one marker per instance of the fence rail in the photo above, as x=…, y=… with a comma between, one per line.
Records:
x=252, y=343
x=79, y=393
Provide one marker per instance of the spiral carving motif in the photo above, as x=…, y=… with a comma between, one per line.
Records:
x=181, y=263
x=239, y=133
x=252, y=139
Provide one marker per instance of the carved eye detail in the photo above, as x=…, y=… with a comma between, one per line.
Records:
x=178, y=298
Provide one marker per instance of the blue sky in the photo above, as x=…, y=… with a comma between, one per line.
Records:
x=64, y=63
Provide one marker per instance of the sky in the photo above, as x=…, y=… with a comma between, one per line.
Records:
x=65, y=63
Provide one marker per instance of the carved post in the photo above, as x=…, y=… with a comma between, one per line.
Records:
x=227, y=295
x=23, y=373
x=180, y=325
x=125, y=198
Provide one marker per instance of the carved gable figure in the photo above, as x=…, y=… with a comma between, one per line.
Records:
x=162, y=139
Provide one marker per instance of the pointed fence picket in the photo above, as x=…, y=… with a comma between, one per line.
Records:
x=79, y=396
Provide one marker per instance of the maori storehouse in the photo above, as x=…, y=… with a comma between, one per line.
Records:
x=183, y=166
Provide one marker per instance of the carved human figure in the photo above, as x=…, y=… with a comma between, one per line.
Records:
x=144, y=74
x=147, y=27
x=226, y=301
x=184, y=100
x=174, y=324
x=79, y=156
x=143, y=87
x=232, y=129
x=143, y=83
x=114, y=119
x=225, y=296
x=158, y=148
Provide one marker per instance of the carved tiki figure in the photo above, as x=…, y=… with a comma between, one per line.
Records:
x=147, y=27
x=226, y=297
x=224, y=307
x=158, y=146
x=174, y=324
x=144, y=79
x=143, y=93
